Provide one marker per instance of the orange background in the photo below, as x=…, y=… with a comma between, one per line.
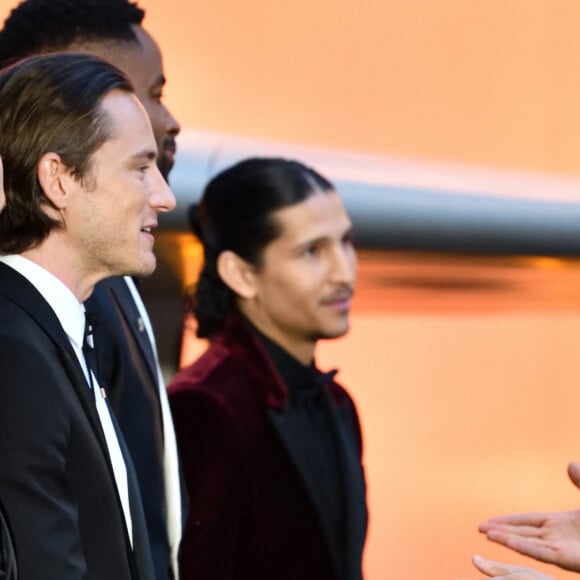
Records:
x=465, y=370
x=484, y=81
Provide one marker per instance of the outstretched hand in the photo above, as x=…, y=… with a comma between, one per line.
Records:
x=506, y=571
x=552, y=537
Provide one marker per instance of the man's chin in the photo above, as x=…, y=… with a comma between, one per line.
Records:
x=146, y=268
x=332, y=332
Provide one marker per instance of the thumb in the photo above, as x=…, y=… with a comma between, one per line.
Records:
x=574, y=473
x=489, y=567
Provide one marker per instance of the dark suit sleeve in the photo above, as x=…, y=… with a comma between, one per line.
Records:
x=34, y=433
x=217, y=481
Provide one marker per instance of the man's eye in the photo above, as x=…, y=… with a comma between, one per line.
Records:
x=311, y=251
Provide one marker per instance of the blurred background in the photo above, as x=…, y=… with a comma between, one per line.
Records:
x=459, y=123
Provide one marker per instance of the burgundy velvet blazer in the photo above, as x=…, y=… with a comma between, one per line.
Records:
x=252, y=515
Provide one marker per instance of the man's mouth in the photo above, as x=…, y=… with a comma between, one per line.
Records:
x=169, y=148
x=340, y=299
x=148, y=229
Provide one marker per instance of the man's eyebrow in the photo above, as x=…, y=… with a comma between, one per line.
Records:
x=302, y=245
x=315, y=240
x=348, y=232
x=148, y=154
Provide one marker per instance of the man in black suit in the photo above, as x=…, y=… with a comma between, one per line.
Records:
x=8, y=567
x=127, y=356
x=83, y=193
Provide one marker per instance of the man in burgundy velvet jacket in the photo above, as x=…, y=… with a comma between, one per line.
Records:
x=270, y=445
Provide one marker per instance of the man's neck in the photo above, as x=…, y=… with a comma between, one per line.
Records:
x=62, y=265
x=301, y=350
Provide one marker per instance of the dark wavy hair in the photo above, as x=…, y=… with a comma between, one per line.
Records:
x=235, y=213
x=40, y=26
x=49, y=103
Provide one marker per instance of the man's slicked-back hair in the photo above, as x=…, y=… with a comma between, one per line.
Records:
x=40, y=26
x=236, y=213
x=49, y=104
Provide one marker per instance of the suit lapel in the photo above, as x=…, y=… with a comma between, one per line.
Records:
x=140, y=557
x=284, y=430
x=355, y=515
x=17, y=289
x=87, y=399
x=126, y=305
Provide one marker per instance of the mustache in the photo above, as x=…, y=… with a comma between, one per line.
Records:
x=169, y=144
x=345, y=292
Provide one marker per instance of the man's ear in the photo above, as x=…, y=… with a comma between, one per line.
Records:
x=55, y=179
x=237, y=274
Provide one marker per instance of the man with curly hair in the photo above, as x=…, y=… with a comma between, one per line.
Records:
x=127, y=355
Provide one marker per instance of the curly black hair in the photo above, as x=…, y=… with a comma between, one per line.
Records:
x=40, y=26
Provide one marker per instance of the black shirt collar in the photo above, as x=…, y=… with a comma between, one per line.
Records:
x=302, y=381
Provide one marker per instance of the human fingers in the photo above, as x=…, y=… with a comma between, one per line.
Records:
x=503, y=533
x=495, y=569
x=525, y=519
x=536, y=548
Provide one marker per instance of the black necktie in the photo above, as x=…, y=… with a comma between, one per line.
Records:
x=90, y=354
x=89, y=350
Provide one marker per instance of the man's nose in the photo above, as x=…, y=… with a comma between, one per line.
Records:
x=172, y=126
x=344, y=264
x=162, y=198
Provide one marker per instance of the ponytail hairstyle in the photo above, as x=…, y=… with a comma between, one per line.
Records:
x=235, y=214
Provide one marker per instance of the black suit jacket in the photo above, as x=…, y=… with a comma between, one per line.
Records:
x=56, y=480
x=127, y=367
